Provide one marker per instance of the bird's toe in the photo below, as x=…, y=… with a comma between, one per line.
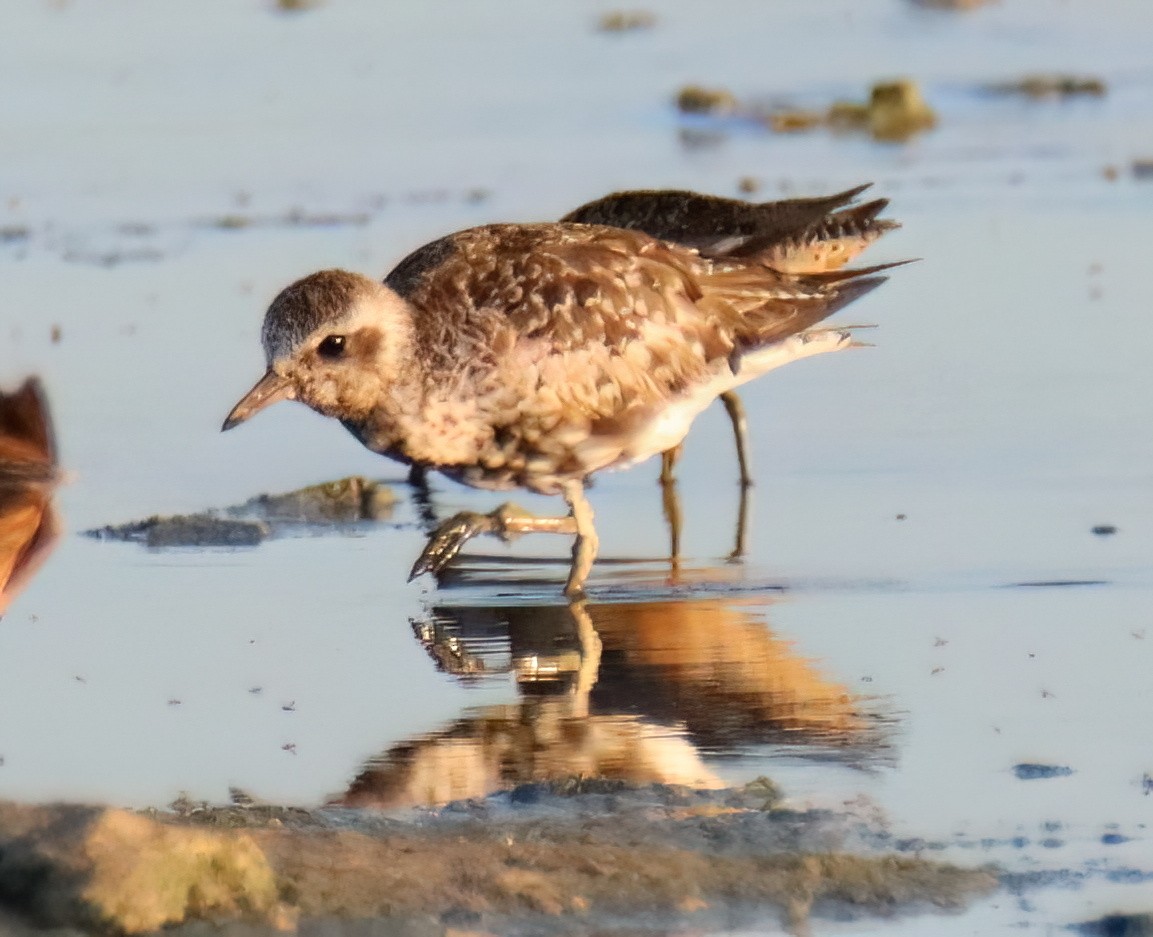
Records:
x=447, y=540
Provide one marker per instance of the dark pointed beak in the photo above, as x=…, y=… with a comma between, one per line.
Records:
x=270, y=389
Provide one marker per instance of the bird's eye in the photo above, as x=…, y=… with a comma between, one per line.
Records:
x=333, y=346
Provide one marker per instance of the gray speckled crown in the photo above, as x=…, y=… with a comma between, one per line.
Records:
x=325, y=296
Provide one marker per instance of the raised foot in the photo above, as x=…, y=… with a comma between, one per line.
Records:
x=507, y=520
x=447, y=540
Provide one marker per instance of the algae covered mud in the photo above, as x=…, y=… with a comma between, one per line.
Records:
x=936, y=645
x=597, y=857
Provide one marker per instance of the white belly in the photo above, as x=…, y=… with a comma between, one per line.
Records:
x=670, y=426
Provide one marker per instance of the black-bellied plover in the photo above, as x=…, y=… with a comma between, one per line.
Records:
x=800, y=235
x=534, y=355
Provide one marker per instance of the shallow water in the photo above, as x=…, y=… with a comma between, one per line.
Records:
x=157, y=193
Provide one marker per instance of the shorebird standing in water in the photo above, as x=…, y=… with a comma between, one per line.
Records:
x=535, y=355
x=800, y=235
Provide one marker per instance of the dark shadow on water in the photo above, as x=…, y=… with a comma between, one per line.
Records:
x=639, y=692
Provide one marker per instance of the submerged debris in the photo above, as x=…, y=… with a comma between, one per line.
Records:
x=694, y=99
x=622, y=21
x=896, y=110
x=296, y=6
x=345, y=501
x=1032, y=772
x=296, y=218
x=191, y=530
x=1053, y=85
x=1117, y=925
x=790, y=121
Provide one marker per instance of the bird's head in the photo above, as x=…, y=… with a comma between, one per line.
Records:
x=334, y=341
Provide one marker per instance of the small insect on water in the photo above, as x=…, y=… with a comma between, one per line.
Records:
x=535, y=355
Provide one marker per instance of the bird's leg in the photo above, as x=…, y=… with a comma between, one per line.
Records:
x=736, y=411
x=422, y=495
x=590, y=659
x=446, y=541
x=742, y=525
x=584, y=549
x=668, y=462
x=671, y=502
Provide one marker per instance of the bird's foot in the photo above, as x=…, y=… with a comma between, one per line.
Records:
x=446, y=541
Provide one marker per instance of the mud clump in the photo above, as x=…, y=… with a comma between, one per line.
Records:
x=192, y=530
x=344, y=501
x=332, y=504
x=569, y=862
x=622, y=21
x=895, y=111
x=112, y=870
x=1042, y=86
x=296, y=6
x=202, y=531
x=694, y=99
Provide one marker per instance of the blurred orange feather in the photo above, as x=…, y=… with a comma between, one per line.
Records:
x=29, y=526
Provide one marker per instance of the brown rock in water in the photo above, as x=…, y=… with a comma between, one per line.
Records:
x=897, y=110
x=693, y=99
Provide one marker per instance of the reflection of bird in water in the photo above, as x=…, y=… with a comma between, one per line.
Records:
x=536, y=355
x=621, y=692
x=28, y=524
x=715, y=667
